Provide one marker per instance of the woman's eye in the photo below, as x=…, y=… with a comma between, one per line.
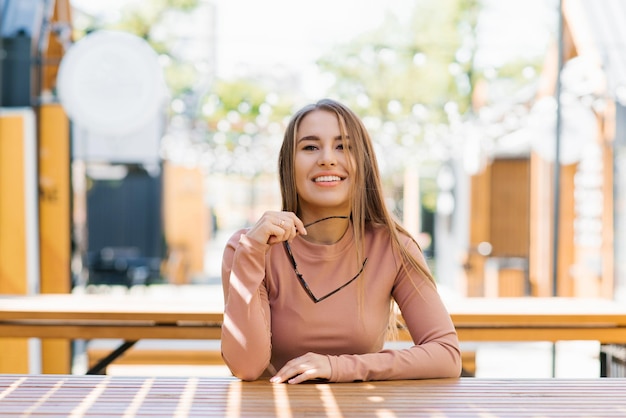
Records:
x=309, y=148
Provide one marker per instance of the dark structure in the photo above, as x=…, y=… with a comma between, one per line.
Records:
x=124, y=220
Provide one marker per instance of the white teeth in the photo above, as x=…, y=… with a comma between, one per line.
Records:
x=328, y=178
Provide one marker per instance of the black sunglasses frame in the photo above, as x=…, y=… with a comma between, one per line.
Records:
x=305, y=285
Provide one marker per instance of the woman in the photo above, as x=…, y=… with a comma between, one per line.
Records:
x=309, y=291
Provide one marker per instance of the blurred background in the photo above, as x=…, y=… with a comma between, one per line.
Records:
x=136, y=136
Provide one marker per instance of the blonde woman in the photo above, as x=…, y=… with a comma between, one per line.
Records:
x=309, y=290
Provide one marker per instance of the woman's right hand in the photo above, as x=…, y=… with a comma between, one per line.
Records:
x=274, y=227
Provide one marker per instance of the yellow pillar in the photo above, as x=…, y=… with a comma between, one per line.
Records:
x=19, y=264
x=54, y=222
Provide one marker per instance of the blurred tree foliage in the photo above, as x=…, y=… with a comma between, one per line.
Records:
x=244, y=101
x=413, y=67
x=140, y=17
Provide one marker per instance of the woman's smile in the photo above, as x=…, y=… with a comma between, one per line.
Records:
x=327, y=180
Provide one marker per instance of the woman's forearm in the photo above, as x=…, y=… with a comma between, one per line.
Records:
x=246, y=345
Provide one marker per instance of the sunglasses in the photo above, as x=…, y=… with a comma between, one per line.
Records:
x=305, y=285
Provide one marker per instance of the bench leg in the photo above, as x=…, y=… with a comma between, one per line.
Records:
x=612, y=360
x=100, y=367
x=468, y=358
x=467, y=373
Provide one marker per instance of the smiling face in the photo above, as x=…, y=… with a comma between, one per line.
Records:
x=322, y=165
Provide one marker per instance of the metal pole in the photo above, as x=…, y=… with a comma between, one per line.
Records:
x=557, y=172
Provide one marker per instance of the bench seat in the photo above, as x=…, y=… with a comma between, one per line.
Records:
x=197, y=353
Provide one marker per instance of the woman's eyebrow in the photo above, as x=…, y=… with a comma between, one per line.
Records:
x=316, y=138
x=308, y=138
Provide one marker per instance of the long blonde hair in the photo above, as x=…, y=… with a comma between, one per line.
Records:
x=368, y=205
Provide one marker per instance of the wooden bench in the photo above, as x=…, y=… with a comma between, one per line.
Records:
x=201, y=355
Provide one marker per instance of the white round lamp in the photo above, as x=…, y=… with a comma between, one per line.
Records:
x=110, y=83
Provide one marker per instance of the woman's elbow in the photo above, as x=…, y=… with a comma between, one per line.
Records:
x=246, y=372
x=455, y=365
x=455, y=369
x=447, y=369
x=449, y=361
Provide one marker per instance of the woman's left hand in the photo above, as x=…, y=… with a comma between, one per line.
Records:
x=307, y=367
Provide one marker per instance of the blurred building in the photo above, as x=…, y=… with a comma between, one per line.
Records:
x=511, y=249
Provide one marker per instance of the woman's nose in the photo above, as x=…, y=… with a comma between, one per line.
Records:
x=328, y=157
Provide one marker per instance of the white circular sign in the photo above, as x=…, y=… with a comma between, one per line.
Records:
x=111, y=83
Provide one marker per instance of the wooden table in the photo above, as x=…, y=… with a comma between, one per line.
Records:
x=545, y=319
x=122, y=316
x=178, y=316
x=199, y=316
x=119, y=396
x=538, y=319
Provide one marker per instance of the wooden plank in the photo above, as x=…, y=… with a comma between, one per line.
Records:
x=550, y=334
x=122, y=331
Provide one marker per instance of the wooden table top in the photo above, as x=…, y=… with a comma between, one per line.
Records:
x=178, y=307
x=120, y=396
x=538, y=319
x=200, y=316
x=160, y=308
x=528, y=311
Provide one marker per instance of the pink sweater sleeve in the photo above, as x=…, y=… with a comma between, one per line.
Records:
x=246, y=344
x=436, y=353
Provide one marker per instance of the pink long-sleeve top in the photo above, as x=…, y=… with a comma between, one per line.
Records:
x=269, y=319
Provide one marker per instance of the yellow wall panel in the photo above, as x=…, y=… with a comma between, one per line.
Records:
x=12, y=206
